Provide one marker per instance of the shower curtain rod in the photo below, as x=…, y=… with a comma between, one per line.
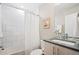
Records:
x=33, y=13
x=21, y=9
x=12, y=6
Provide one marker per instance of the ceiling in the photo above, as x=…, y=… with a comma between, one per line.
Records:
x=26, y=5
x=59, y=7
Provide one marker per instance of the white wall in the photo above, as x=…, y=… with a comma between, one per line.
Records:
x=59, y=19
x=13, y=29
x=47, y=10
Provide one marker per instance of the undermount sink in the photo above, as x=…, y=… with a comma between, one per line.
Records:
x=63, y=42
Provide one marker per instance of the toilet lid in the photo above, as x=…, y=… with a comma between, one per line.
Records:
x=36, y=52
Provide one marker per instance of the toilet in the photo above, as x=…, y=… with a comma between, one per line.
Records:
x=36, y=52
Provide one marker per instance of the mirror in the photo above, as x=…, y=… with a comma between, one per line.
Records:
x=67, y=15
x=71, y=25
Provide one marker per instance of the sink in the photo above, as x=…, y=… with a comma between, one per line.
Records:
x=63, y=42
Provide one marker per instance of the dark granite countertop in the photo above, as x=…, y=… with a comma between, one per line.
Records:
x=73, y=47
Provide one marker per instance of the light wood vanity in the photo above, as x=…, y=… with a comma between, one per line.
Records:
x=53, y=49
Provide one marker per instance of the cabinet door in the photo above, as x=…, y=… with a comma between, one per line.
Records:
x=66, y=51
x=47, y=48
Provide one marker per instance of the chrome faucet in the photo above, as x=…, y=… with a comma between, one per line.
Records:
x=65, y=36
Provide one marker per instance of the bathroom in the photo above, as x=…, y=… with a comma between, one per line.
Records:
x=31, y=28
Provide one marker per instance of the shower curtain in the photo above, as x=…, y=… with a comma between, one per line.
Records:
x=32, y=38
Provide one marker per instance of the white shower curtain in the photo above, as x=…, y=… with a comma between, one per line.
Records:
x=32, y=40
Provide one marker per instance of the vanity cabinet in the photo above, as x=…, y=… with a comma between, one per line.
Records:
x=52, y=49
x=66, y=51
x=47, y=48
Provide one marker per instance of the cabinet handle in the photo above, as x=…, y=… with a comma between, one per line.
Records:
x=53, y=50
x=57, y=51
